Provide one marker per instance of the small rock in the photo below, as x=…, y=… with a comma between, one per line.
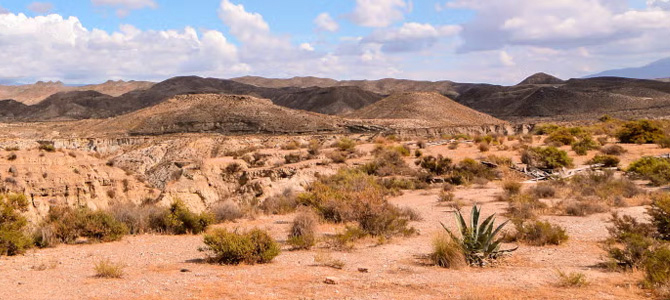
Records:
x=330, y=280
x=184, y=270
x=363, y=270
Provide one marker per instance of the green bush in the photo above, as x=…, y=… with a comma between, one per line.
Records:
x=655, y=169
x=68, y=224
x=608, y=161
x=630, y=242
x=539, y=233
x=178, y=219
x=345, y=145
x=660, y=215
x=640, y=132
x=435, y=165
x=13, y=238
x=584, y=145
x=232, y=248
x=546, y=158
x=353, y=196
x=47, y=147
x=560, y=137
x=387, y=162
x=657, y=269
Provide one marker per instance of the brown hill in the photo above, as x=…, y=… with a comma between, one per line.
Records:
x=220, y=114
x=430, y=108
x=90, y=104
x=34, y=93
x=541, y=78
x=575, y=99
x=383, y=86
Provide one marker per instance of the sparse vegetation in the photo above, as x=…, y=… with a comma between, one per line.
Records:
x=231, y=248
x=608, y=161
x=13, y=225
x=572, y=279
x=447, y=253
x=584, y=145
x=539, y=233
x=68, y=224
x=546, y=158
x=226, y=211
x=108, y=269
x=613, y=150
x=47, y=147
x=280, y=204
x=654, y=169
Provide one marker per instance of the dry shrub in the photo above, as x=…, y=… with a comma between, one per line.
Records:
x=524, y=206
x=353, y=196
x=108, y=269
x=572, y=279
x=138, y=218
x=178, y=219
x=512, y=187
x=293, y=158
x=539, y=233
x=231, y=248
x=303, y=230
x=12, y=156
x=543, y=191
x=226, y=211
x=484, y=147
x=337, y=157
x=386, y=162
x=326, y=260
x=603, y=185
x=291, y=145
x=447, y=253
x=546, y=158
x=608, y=161
x=453, y=146
x=280, y=204
x=346, y=145
x=68, y=224
x=613, y=150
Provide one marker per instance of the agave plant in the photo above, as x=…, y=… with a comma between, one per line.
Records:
x=479, y=241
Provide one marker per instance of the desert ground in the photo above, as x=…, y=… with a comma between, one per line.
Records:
x=171, y=267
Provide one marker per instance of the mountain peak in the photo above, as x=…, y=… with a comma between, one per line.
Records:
x=541, y=78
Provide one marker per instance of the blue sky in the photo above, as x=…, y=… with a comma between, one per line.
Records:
x=502, y=41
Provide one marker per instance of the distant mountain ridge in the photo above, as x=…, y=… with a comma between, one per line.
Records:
x=654, y=70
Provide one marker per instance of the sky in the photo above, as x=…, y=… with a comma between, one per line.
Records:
x=493, y=41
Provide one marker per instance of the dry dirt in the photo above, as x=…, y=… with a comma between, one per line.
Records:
x=171, y=267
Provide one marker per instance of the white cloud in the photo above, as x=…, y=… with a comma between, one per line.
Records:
x=40, y=7
x=306, y=47
x=125, y=6
x=53, y=47
x=379, y=13
x=561, y=24
x=411, y=36
x=661, y=4
x=506, y=59
x=324, y=22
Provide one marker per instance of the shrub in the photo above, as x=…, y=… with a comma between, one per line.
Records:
x=543, y=129
x=387, y=162
x=572, y=279
x=660, y=215
x=314, y=147
x=353, y=196
x=346, y=239
x=655, y=169
x=478, y=241
x=47, y=147
x=68, y=224
x=629, y=243
x=12, y=156
x=539, y=233
x=663, y=142
x=608, y=161
x=603, y=185
x=346, y=145
x=640, y=132
x=484, y=147
x=453, y=146
x=178, y=219
x=108, y=269
x=468, y=170
x=583, y=207
x=435, y=165
x=13, y=239
x=512, y=187
x=546, y=158
x=613, y=150
x=293, y=158
x=138, y=218
x=447, y=253
x=657, y=268
x=326, y=260
x=232, y=248
x=524, y=206
x=226, y=211
x=584, y=145
x=543, y=191
x=291, y=145
x=280, y=204
x=561, y=137
x=303, y=230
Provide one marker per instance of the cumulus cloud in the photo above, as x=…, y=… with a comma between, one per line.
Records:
x=306, y=47
x=561, y=24
x=40, y=7
x=53, y=47
x=411, y=36
x=125, y=6
x=324, y=22
x=379, y=13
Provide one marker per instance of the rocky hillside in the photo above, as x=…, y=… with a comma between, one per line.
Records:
x=431, y=108
x=222, y=114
